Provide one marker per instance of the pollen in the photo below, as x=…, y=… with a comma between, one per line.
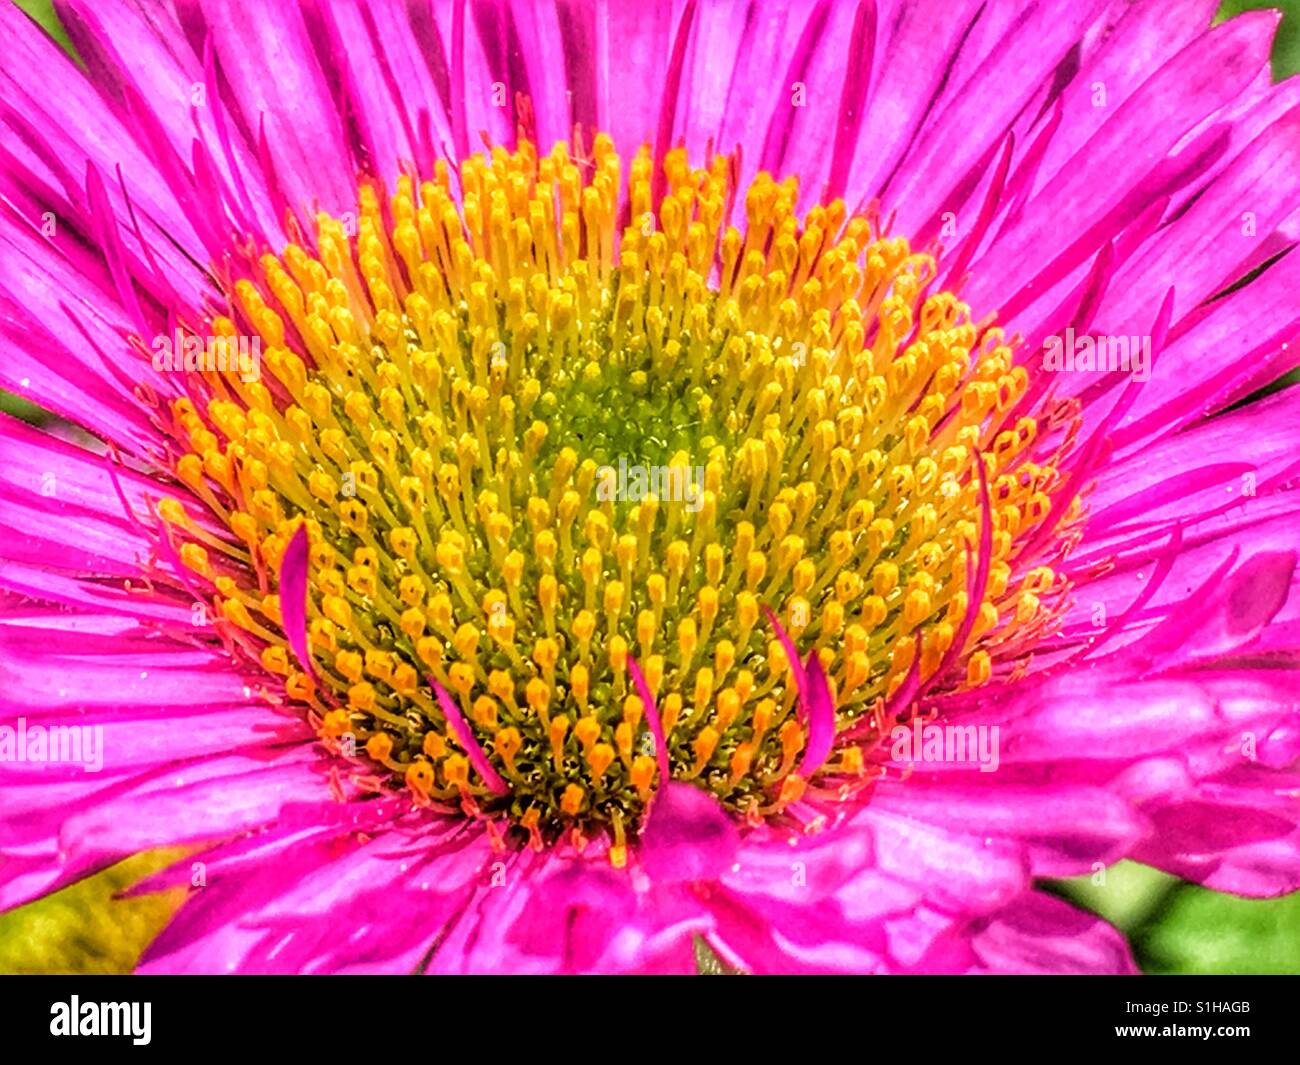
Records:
x=534, y=429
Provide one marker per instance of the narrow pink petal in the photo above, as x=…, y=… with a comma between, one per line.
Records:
x=816, y=705
x=977, y=580
x=820, y=716
x=792, y=653
x=652, y=719
x=465, y=737
x=293, y=598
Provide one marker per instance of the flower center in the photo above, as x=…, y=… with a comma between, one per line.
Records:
x=527, y=448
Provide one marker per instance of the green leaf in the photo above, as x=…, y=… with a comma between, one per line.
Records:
x=709, y=964
x=1201, y=931
x=43, y=12
x=20, y=408
x=1125, y=894
x=84, y=929
x=1286, y=46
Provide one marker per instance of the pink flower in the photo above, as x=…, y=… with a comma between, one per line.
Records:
x=419, y=579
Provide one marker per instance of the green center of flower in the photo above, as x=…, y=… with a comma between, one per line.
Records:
x=525, y=451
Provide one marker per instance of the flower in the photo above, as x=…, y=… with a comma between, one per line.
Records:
x=541, y=555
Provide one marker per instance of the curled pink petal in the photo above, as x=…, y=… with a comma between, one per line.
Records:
x=465, y=737
x=977, y=581
x=796, y=666
x=907, y=691
x=652, y=719
x=820, y=715
x=816, y=706
x=293, y=598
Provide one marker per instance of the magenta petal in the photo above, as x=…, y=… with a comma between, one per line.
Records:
x=461, y=730
x=687, y=835
x=816, y=705
x=293, y=598
x=820, y=716
x=1232, y=607
x=1259, y=592
x=907, y=691
x=652, y=719
x=976, y=584
x=1034, y=934
x=792, y=653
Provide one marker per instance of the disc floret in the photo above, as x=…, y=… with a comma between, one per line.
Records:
x=448, y=390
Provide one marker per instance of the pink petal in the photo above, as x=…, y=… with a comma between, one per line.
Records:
x=687, y=835
x=293, y=598
x=465, y=737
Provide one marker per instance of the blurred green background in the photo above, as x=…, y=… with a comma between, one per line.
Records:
x=1174, y=927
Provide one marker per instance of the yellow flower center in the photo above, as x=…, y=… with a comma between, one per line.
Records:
x=527, y=446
